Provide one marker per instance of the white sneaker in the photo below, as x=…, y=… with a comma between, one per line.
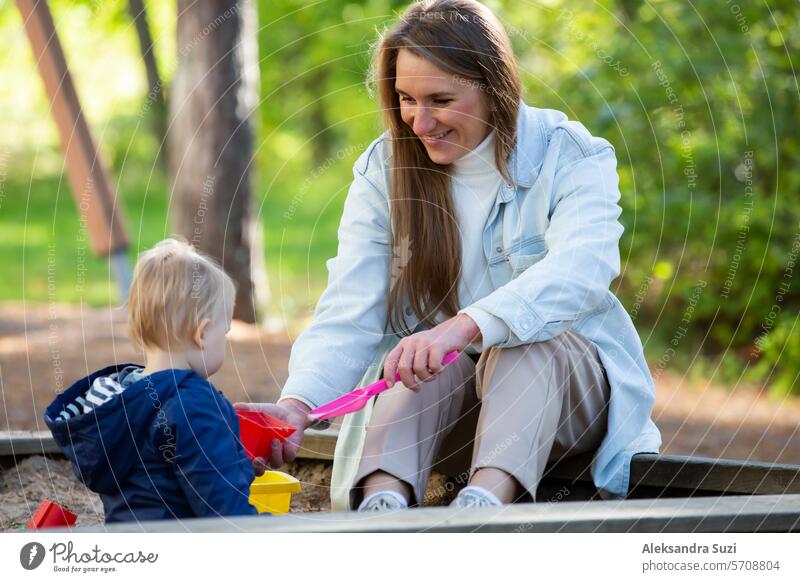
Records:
x=384, y=501
x=474, y=496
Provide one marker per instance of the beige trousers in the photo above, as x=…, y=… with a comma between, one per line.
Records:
x=516, y=409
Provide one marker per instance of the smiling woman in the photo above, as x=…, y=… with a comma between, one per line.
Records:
x=449, y=116
x=434, y=71
x=476, y=224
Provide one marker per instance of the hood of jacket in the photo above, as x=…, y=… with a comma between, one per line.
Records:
x=102, y=442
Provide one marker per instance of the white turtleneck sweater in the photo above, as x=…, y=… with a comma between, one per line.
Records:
x=475, y=185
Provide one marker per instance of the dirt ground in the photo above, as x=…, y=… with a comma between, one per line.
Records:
x=44, y=348
x=24, y=487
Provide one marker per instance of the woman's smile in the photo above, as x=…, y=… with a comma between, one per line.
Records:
x=434, y=139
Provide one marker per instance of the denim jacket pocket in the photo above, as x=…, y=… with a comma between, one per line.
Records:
x=519, y=263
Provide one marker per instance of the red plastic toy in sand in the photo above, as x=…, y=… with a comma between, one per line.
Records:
x=50, y=514
x=258, y=429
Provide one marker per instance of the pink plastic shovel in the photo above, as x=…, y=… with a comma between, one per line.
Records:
x=357, y=399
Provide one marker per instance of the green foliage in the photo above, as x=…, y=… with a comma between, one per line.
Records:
x=700, y=100
x=781, y=352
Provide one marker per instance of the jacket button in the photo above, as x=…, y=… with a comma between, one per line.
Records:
x=409, y=311
x=524, y=326
x=499, y=249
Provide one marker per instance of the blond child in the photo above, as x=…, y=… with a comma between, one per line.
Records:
x=159, y=441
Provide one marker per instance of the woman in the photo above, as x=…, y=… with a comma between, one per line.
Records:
x=477, y=224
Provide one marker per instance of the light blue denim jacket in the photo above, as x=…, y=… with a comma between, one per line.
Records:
x=552, y=244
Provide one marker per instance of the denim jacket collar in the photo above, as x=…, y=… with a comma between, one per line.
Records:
x=528, y=153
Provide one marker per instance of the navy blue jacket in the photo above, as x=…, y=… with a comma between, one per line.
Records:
x=167, y=447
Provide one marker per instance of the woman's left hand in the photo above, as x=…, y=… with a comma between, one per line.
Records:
x=418, y=357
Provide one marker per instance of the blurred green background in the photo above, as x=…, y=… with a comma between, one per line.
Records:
x=700, y=100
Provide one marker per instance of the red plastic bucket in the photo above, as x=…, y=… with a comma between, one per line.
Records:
x=257, y=431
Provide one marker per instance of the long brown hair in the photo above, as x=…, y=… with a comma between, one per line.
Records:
x=464, y=38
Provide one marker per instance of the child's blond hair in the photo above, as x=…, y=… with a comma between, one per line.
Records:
x=174, y=288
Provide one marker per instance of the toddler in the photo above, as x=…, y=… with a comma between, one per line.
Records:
x=159, y=441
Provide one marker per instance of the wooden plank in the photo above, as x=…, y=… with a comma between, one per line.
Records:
x=720, y=476
x=317, y=444
x=25, y=444
x=91, y=185
x=766, y=513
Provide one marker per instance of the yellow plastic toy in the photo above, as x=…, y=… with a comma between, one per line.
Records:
x=272, y=492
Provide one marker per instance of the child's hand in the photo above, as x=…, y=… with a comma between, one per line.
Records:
x=290, y=411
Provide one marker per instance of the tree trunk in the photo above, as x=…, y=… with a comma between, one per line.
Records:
x=212, y=99
x=321, y=136
x=155, y=103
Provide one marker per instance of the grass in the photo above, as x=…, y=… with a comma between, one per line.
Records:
x=47, y=257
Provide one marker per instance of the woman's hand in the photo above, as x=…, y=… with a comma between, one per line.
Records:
x=290, y=411
x=419, y=356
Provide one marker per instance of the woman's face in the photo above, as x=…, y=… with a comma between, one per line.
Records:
x=449, y=114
